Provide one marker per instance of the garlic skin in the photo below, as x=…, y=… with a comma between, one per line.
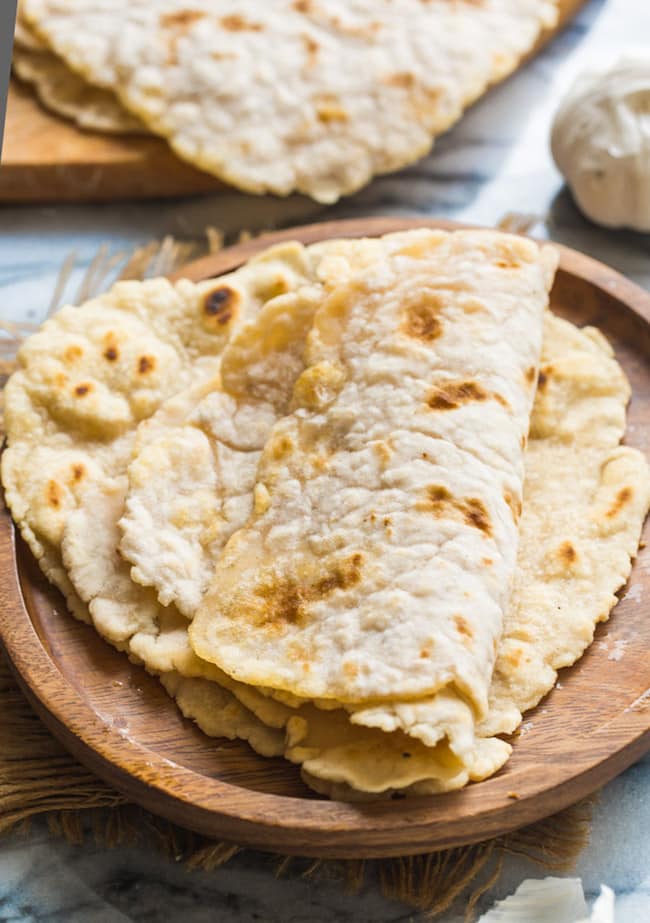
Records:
x=601, y=143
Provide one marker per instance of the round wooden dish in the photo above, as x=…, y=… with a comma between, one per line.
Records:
x=118, y=721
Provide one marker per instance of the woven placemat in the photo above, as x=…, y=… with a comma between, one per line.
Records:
x=39, y=778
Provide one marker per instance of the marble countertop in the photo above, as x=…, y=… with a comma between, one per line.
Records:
x=496, y=161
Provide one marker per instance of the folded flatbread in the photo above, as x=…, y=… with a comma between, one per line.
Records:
x=577, y=422
x=314, y=96
x=377, y=564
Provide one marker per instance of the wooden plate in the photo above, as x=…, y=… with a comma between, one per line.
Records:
x=118, y=721
x=48, y=159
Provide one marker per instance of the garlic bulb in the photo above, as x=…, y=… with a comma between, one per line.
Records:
x=551, y=900
x=601, y=143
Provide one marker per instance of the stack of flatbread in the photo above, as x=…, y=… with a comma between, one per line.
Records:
x=353, y=503
x=314, y=96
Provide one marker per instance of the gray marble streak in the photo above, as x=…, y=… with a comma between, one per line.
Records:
x=495, y=161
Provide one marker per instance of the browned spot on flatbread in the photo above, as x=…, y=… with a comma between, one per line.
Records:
x=463, y=627
x=344, y=575
x=280, y=601
x=487, y=562
x=181, y=19
x=318, y=462
x=402, y=79
x=54, y=494
x=542, y=378
x=302, y=6
x=514, y=503
x=441, y=503
x=364, y=30
x=454, y=394
x=178, y=24
x=350, y=669
x=330, y=109
x=311, y=45
x=81, y=390
x=475, y=514
x=514, y=657
x=472, y=305
x=281, y=447
x=425, y=653
x=73, y=353
x=384, y=452
x=237, y=23
x=78, y=472
x=146, y=364
x=220, y=306
x=111, y=353
x=420, y=248
x=500, y=399
x=530, y=374
x=421, y=320
x=269, y=288
x=567, y=553
x=438, y=499
x=623, y=497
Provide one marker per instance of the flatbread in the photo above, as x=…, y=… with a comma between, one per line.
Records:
x=66, y=93
x=24, y=35
x=219, y=714
x=585, y=500
x=580, y=410
x=344, y=90
x=62, y=90
x=192, y=486
x=91, y=374
x=327, y=746
x=377, y=563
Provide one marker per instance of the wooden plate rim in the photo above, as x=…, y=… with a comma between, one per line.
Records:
x=278, y=822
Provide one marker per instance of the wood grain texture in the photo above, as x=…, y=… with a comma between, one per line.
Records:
x=47, y=159
x=118, y=721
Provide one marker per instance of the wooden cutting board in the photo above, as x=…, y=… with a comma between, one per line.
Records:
x=46, y=159
x=118, y=721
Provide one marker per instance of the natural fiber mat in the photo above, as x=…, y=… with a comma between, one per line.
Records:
x=39, y=778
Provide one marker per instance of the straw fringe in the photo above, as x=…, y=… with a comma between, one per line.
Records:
x=39, y=778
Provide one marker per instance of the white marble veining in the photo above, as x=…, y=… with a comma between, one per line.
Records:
x=496, y=161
